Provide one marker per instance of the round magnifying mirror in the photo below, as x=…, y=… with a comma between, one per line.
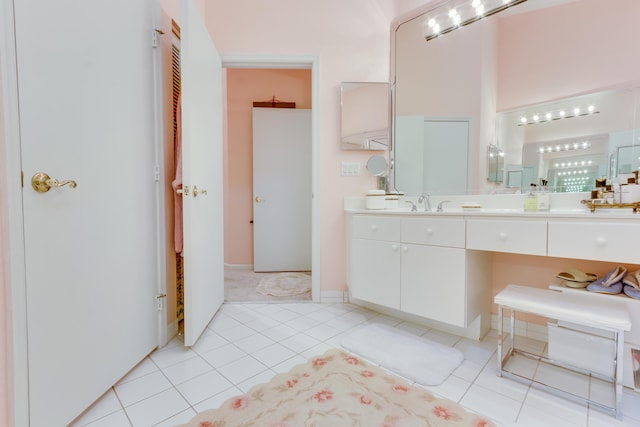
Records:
x=377, y=165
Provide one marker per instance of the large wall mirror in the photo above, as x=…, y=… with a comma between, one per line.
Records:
x=364, y=115
x=553, y=85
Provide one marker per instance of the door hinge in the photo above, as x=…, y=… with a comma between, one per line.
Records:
x=157, y=173
x=22, y=179
x=160, y=301
x=154, y=37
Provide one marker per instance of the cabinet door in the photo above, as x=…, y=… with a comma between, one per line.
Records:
x=375, y=272
x=433, y=283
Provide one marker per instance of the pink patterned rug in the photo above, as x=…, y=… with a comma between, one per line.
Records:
x=334, y=390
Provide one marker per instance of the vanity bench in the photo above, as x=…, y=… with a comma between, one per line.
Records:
x=601, y=314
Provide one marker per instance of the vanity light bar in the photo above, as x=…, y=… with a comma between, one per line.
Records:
x=439, y=22
x=557, y=115
x=574, y=164
x=564, y=147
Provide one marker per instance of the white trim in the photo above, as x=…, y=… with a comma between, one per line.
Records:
x=297, y=62
x=238, y=266
x=158, y=113
x=173, y=329
x=334, y=297
x=18, y=392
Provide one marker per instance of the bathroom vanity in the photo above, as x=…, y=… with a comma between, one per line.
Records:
x=437, y=265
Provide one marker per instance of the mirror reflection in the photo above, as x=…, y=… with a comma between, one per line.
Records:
x=499, y=69
x=364, y=115
x=570, y=142
x=495, y=164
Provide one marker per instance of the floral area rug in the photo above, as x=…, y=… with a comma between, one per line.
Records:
x=334, y=390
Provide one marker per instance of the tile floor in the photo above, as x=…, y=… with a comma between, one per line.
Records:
x=247, y=343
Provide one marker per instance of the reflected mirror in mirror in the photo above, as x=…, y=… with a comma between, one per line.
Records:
x=495, y=163
x=364, y=116
x=507, y=64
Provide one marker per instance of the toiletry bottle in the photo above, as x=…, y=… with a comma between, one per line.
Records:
x=531, y=201
x=543, y=197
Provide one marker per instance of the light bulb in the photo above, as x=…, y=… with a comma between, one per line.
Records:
x=591, y=108
x=576, y=111
x=536, y=117
x=548, y=116
x=561, y=113
x=523, y=119
x=431, y=23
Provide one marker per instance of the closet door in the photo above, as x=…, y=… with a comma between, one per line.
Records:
x=202, y=130
x=85, y=87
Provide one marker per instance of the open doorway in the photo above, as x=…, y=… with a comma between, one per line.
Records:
x=246, y=85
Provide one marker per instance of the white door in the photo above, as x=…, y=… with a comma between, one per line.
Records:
x=203, y=247
x=281, y=189
x=85, y=87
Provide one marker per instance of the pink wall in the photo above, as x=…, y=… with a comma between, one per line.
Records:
x=351, y=40
x=243, y=87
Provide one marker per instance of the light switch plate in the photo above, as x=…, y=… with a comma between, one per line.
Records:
x=350, y=169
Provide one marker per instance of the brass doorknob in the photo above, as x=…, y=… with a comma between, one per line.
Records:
x=41, y=182
x=197, y=191
x=260, y=199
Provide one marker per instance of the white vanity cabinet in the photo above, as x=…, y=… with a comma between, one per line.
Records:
x=374, y=254
x=419, y=266
x=508, y=235
x=602, y=241
x=432, y=272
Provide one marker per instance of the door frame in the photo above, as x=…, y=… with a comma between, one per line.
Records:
x=18, y=387
x=17, y=354
x=311, y=62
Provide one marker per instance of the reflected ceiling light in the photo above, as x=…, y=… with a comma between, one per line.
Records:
x=557, y=115
x=461, y=13
x=566, y=147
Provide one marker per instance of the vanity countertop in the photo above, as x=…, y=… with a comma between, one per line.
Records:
x=563, y=205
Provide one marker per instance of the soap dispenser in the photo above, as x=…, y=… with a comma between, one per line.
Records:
x=543, y=197
x=531, y=201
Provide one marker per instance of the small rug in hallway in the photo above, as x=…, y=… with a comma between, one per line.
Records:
x=334, y=390
x=416, y=358
x=285, y=284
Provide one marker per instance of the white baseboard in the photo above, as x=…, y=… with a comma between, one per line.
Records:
x=334, y=297
x=238, y=266
x=173, y=329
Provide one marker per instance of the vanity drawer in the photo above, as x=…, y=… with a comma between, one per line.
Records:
x=519, y=237
x=375, y=228
x=595, y=241
x=448, y=232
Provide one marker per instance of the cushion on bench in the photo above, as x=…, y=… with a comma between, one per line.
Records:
x=601, y=313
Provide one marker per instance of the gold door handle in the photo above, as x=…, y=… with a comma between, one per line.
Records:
x=41, y=182
x=260, y=199
x=197, y=191
x=184, y=190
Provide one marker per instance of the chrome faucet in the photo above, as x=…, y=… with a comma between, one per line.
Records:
x=439, y=208
x=413, y=206
x=425, y=199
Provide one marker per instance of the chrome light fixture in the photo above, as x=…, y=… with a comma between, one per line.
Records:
x=458, y=13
